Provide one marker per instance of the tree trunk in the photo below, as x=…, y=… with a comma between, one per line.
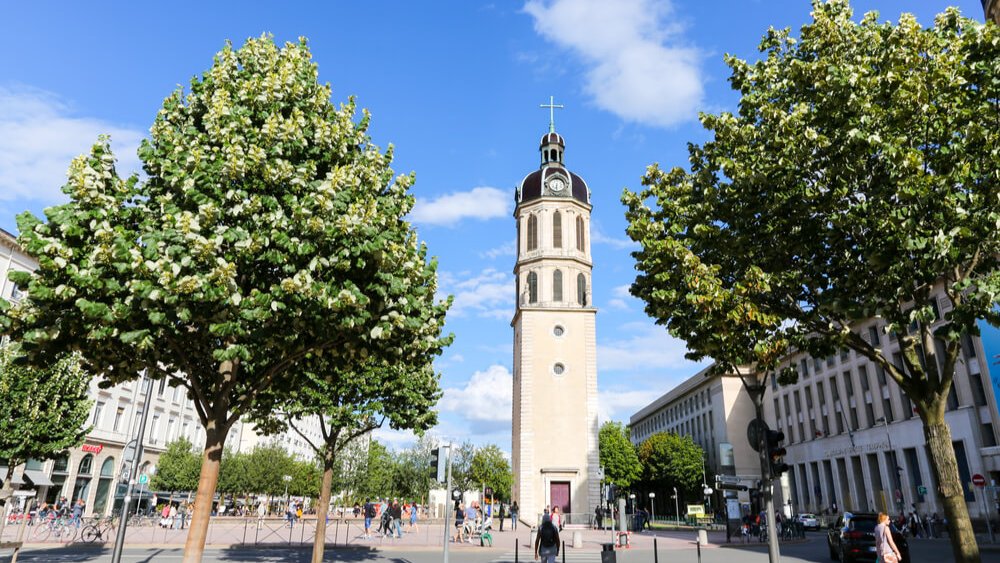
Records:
x=963, y=540
x=319, y=543
x=215, y=438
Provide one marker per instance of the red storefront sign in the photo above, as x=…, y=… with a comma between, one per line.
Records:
x=93, y=448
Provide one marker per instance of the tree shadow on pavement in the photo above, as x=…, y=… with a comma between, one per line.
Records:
x=299, y=554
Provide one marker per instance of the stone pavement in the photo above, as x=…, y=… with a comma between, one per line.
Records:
x=349, y=532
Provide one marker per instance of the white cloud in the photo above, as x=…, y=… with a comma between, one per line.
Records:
x=650, y=347
x=478, y=203
x=622, y=291
x=485, y=402
x=489, y=293
x=620, y=405
x=506, y=249
x=638, y=67
x=40, y=135
x=597, y=236
x=618, y=304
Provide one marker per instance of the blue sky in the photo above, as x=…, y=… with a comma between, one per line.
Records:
x=456, y=87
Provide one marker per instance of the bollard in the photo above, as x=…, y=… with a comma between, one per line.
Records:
x=564, y=552
x=517, y=546
x=656, y=552
x=577, y=539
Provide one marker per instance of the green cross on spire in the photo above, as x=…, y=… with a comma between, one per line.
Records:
x=552, y=112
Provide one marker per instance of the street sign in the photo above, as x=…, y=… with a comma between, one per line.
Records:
x=978, y=480
x=728, y=479
x=921, y=490
x=756, y=431
x=143, y=479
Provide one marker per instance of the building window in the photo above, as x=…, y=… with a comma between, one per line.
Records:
x=579, y=234
x=532, y=287
x=154, y=429
x=98, y=412
x=989, y=438
x=119, y=416
x=803, y=368
x=532, y=232
x=873, y=336
x=558, y=368
x=978, y=393
x=86, y=465
x=558, y=330
x=162, y=388
x=557, y=230
x=581, y=290
x=557, y=285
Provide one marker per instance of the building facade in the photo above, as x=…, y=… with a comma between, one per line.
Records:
x=714, y=411
x=855, y=442
x=554, y=455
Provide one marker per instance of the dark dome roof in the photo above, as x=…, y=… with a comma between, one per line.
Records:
x=552, y=138
x=531, y=186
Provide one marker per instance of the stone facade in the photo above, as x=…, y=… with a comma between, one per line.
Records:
x=554, y=454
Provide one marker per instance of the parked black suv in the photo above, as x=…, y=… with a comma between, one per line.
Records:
x=852, y=538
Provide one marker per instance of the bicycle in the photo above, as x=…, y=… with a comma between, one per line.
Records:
x=97, y=528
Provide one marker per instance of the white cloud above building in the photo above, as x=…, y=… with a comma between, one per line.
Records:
x=448, y=210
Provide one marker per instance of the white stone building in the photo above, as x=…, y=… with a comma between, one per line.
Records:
x=715, y=412
x=554, y=455
x=855, y=442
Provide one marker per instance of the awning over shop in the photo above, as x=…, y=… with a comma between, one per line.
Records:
x=16, y=480
x=38, y=478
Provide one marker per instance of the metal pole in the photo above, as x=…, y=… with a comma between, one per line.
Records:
x=447, y=503
x=116, y=554
x=757, y=394
x=986, y=512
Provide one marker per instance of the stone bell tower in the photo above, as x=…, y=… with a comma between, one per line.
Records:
x=554, y=454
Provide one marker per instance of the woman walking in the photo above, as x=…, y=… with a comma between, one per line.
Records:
x=885, y=546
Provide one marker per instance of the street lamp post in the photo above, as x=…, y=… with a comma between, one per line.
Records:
x=677, y=508
x=287, y=479
x=652, y=507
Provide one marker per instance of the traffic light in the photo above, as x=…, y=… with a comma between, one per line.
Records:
x=437, y=467
x=776, y=453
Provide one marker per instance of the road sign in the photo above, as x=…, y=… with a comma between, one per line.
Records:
x=143, y=479
x=978, y=480
x=756, y=432
x=729, y=479
x=921, y=490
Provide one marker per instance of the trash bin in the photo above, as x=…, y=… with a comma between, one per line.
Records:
x=702, y=537
x=608, y=554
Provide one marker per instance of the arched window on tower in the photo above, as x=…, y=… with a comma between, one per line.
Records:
x=581, y=290
x=557, y=230
x=579, y=234
x=557, y=285
x=532, y=287
x=532, y=232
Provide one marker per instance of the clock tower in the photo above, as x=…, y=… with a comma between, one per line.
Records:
x=554, y=453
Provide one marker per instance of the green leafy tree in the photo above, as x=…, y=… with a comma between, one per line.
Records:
x=858, y=181
x=42, y=412
x=412, y=477
x=669, y=460
x=348, y=402
x=617, y=454
x=490, y=468
x=266, y=467
x=178, y=467
x=268, y=229
x=461, y=467
x=375, y=479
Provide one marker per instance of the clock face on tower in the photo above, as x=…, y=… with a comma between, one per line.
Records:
x=557, y=184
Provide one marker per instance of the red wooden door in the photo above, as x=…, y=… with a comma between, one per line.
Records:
x=559, y=495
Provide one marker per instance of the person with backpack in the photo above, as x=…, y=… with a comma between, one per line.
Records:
x=369, y=511
x=547, y=541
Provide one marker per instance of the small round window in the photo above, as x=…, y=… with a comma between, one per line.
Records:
x=558, y=330
x=559, y=368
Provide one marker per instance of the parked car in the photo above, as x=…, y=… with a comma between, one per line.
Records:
x=852, y=538
x=808, y=521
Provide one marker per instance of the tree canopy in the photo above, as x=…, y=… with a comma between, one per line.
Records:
x=857, y=181
x=42, y=412
x=490, y=468
x=268, y=229
x=618, y=456
x=178, y=467
x=669, y=460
